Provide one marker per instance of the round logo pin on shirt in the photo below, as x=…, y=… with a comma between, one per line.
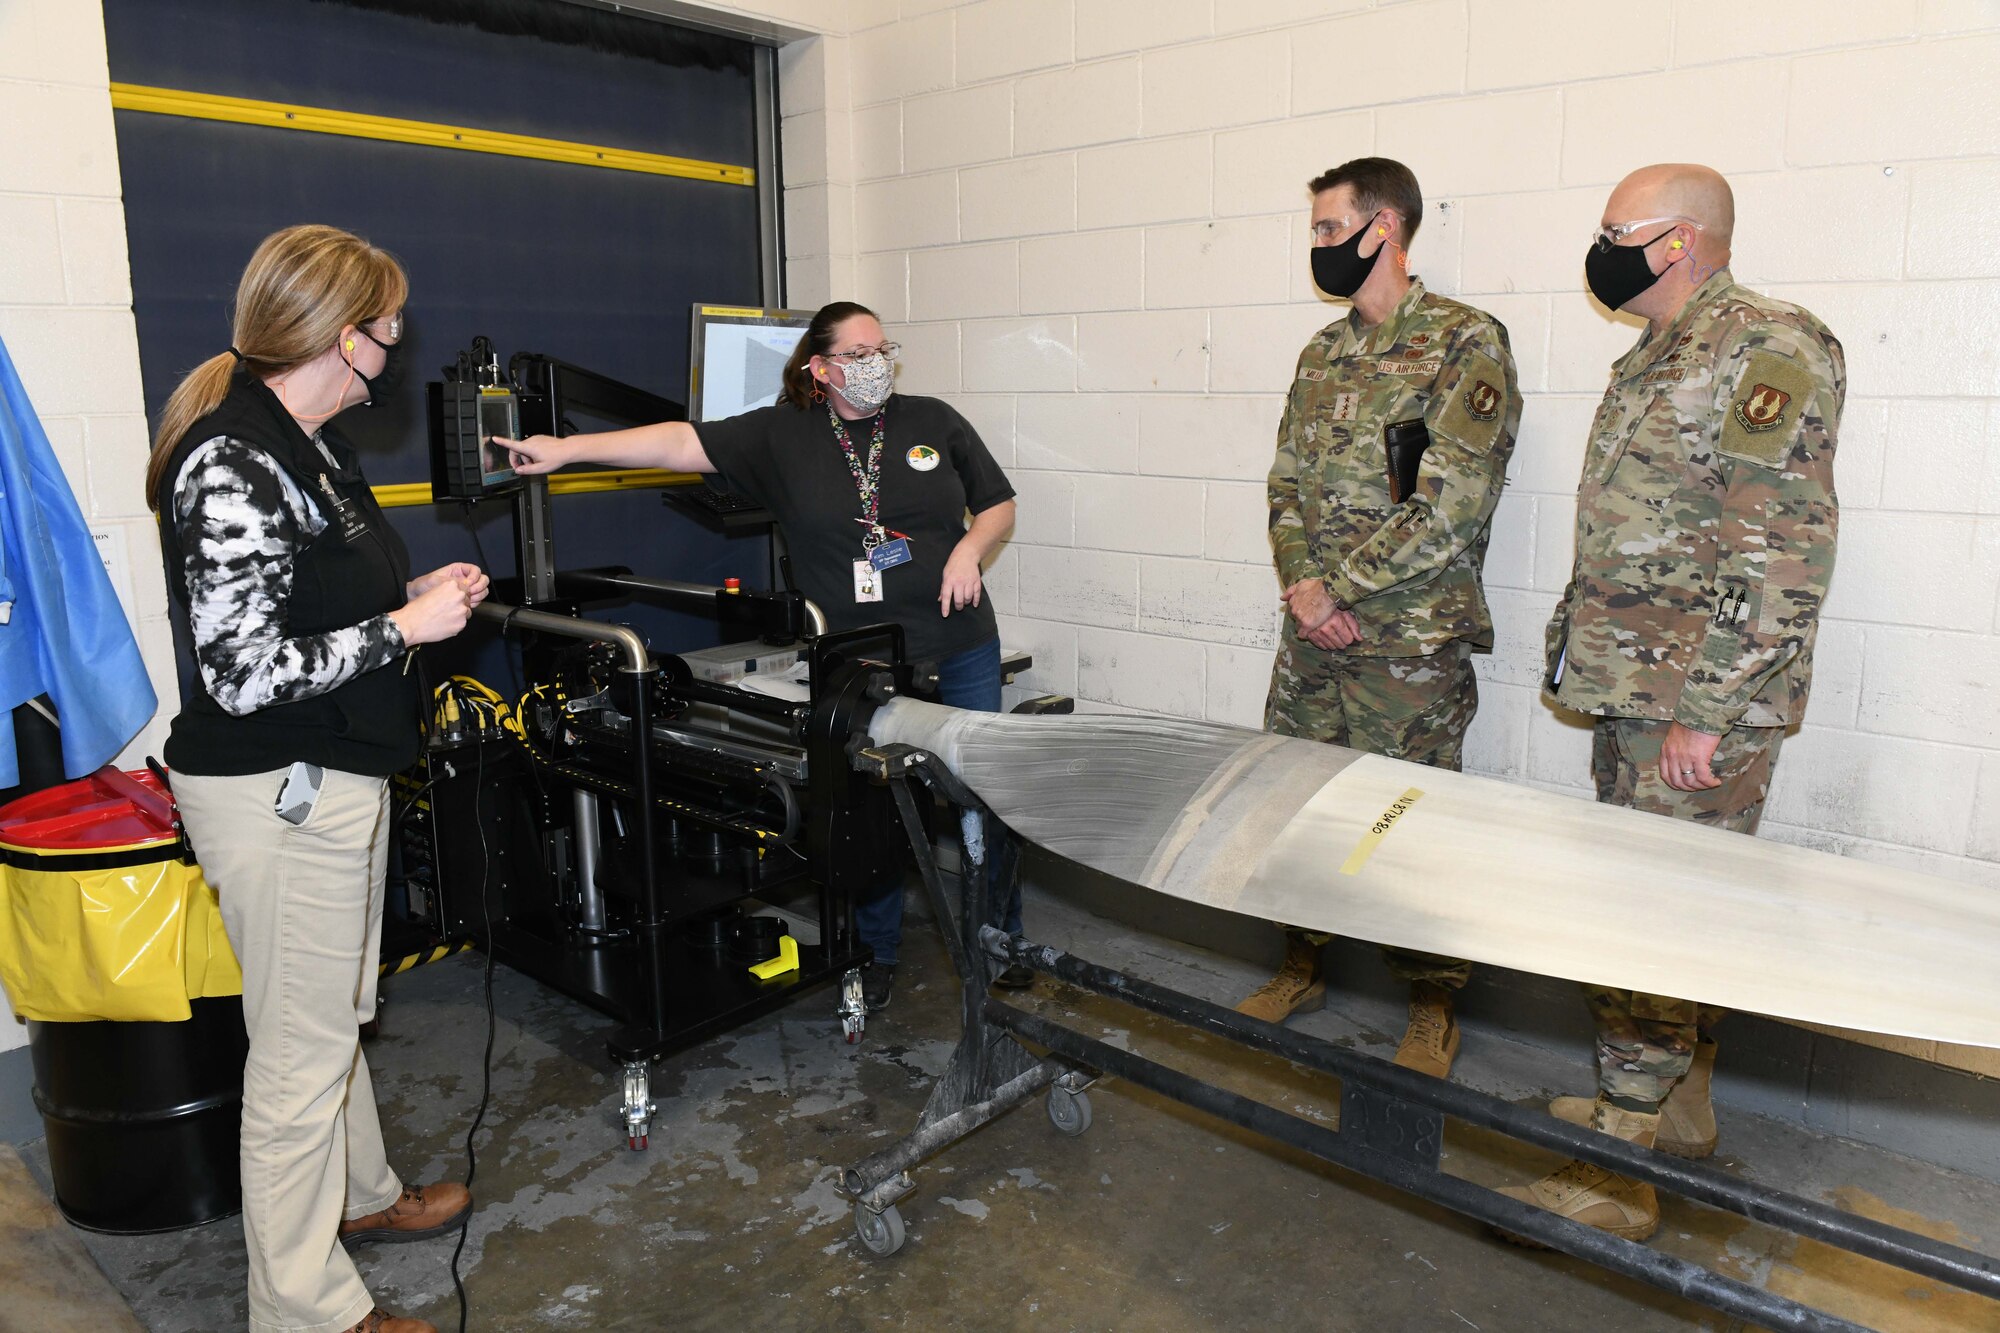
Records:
x=923, y=458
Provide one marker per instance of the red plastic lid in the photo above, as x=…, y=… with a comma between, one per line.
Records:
x=106, y=809
x=732, y=585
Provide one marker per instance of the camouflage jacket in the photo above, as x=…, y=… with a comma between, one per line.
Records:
x=1705, y=519
x=1409, y=572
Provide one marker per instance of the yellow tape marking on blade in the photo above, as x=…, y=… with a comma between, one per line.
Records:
x=1373, y=837
x=359, y=125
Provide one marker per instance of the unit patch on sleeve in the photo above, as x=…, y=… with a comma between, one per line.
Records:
x=1762, y=408
x=1478, y=399
x=1482, y=401
x=1762, y=415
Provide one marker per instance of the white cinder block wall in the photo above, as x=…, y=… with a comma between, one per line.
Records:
x=66, y=299
x=1085, y=220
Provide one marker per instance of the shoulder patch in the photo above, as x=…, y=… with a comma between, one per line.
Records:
x=1760, y=420
x=1472, y=417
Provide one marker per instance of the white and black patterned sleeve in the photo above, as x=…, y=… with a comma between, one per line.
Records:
x=242, y=523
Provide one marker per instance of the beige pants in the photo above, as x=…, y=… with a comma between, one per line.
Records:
x=303, y=908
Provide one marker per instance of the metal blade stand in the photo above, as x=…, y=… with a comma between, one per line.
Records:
x=1391, y=1125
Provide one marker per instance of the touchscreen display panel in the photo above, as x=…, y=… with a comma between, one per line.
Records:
x=498, y=415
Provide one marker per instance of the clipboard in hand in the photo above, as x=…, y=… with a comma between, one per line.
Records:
x=1404, y=442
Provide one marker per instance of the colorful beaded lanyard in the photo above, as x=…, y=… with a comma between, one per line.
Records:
x=867, y=479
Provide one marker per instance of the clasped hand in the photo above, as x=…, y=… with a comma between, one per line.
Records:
x=440, y=603
x=1321, y=623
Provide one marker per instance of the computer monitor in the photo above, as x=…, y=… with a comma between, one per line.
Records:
x=736, y=358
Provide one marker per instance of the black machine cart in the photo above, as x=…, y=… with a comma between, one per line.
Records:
x=605, y=833
x=1391, y=1123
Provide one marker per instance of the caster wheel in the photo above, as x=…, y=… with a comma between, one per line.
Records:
x=880, y=1233
x=1069, y=1111
x=851, y=1028
x=636, y=1142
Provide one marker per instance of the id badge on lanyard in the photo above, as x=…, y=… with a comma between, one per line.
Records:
x=881, y=550
x=347, y=515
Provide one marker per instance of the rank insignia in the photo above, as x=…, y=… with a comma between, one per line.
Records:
x=1762, y=409
x=1346, y=406
x=1482, y=401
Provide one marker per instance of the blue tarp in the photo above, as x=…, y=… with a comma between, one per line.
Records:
x=65, y=634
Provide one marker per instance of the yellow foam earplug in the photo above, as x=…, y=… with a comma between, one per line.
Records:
x=350, y=344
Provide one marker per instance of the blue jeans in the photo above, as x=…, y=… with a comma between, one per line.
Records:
x=969, y=680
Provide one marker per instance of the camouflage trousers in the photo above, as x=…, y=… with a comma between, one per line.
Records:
x=1646, y=1042
x=1415, y=708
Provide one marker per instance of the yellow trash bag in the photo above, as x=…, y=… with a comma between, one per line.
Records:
x=99, y=918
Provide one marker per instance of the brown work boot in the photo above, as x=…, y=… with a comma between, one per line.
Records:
x=380, y=1322
x=1687, y=1116
x=1297, y=989
x=422, y=1212
x=1590, y=1194
x=1431, y=1043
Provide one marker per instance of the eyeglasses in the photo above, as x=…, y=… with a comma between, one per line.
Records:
x=385, y=329
x=1328, y=228
x=888, y=350
x=1606, y=237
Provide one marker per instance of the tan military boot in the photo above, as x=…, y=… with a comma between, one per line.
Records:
x=1431, y=1043
x=1297, y=989
x=1687, y=1117
x=1596, y=1197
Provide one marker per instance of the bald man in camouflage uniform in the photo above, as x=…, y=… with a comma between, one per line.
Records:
x=1383, y=598
x=1705, y=531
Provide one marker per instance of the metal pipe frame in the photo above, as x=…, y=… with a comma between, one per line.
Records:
x=569, y=627
x=1411, y=1106
x=887, y=1167
x=692, y=596
x=635, y=671
x=1950, y=1264
x=1692, y=1281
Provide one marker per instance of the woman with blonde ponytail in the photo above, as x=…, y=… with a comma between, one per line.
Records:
x=296, y=596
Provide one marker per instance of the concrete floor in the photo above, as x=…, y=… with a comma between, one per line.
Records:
x=1156, y=1219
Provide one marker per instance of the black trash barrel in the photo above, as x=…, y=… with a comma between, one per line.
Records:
x=142, y=1117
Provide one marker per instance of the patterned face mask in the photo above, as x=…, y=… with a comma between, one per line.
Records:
x=869, y=382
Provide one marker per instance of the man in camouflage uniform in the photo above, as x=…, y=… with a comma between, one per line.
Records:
x=1705, y=530
x=1383, y=600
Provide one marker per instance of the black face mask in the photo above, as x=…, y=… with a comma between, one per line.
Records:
x=1621, y=273
x=1339, y=270
x=391, y=374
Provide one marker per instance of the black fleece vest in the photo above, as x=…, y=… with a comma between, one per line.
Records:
x=355, y=570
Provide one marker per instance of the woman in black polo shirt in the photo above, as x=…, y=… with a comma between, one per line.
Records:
x=871, y=489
